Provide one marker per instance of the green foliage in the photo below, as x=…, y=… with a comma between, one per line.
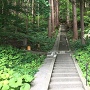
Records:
x=83, y=58
x=45, y=7
x=86, y=20
x=17, y=68
x=17, y=21
x=63, y=10
x=25, y=86
x=81, y=53
x=40, y=41
x=76, y=44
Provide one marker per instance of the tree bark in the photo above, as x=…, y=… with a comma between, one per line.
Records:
x=68, y=13
x=32, y=11
x=52, y=14
x=49, y=22
x=38, y=16
x=82, y=21
x=57, y=12
x=75, y=31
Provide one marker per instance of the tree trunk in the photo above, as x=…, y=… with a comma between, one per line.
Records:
x=75, y=31
x=38, y=16
x=32, y=11
x=82, y=21
x=57, y=13
x=25, y=41
x=1, y=7
x=49, y=22
x=1, y=12
x=68, y=13
x=52, y=14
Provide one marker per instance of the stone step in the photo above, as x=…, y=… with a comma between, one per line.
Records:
x=65, y=79
x=54, y=86
x=64, y=58
x=63, y=65
x=64, y=71
x=64, y=68
x=65, y=75
x=67, y=89
x=66, y=83
x=64, y=62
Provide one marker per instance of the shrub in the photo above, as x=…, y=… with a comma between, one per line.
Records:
x=17, y=68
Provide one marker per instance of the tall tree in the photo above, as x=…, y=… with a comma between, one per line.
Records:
x=52, y=14
x=38, y=15
x=49, y=21
x=32, y=11
x=82, y=20
x=68, y=13
x=75, y=31
x=57, y=12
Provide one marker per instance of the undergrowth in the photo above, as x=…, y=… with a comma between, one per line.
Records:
x=40, y=41
x=81, y=53
x=17, y=68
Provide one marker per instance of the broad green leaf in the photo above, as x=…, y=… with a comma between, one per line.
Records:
x=28, y=78
x=15, y=82
x=5, y=87
x=5, y=82
x=25, y=86
x=0, y=85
